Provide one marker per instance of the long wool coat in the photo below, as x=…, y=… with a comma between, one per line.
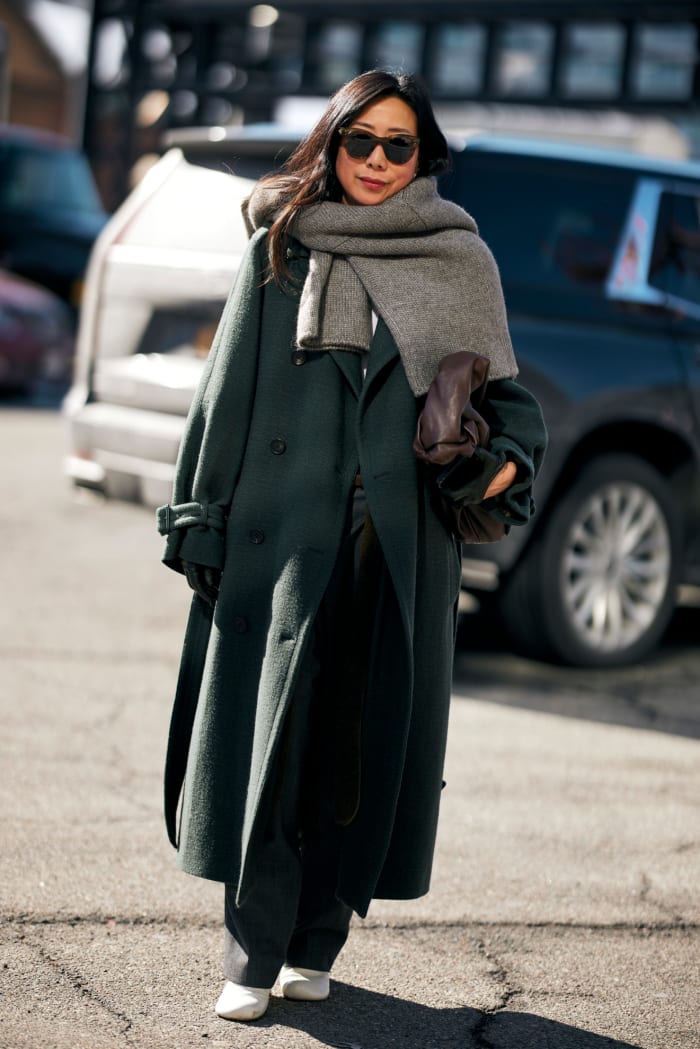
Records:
x=273, y=442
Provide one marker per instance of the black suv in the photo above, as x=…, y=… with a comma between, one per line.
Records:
x=50, y=213
x=600, y=258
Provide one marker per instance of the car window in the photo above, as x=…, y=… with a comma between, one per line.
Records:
x=553, y=228
x=45, y=178
x=675, y=263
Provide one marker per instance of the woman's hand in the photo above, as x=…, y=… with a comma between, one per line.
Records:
x=203, y=580
x=503, y=480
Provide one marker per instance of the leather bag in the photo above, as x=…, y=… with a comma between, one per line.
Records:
x=452, y=440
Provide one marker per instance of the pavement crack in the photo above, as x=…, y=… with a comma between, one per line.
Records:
x=645, y=886
x=501, y=976
x=645, y=893
x=685, y=846
x=81, y=988
x=678, y=924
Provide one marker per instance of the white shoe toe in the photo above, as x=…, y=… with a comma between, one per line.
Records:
x=237, y=1002
x=304, y=985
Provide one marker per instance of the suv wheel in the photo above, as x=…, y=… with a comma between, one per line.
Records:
x=597, y=588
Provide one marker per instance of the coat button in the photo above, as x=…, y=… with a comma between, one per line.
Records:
x=240, y=625
x=299, y=357
x=256, y=535
x=278, y=446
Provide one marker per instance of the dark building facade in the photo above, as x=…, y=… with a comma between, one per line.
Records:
x=158, y=64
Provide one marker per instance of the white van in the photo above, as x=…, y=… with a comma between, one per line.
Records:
x=157, y=280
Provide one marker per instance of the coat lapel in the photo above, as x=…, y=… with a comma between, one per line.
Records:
x=384, y=438
x=350, y=365
x=382, y=350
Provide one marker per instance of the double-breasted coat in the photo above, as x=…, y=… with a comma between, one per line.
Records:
x=274, y=440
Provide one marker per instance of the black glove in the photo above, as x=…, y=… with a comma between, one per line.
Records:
x=204, y=580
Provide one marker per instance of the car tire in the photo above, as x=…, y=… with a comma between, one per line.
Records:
x=597, y=586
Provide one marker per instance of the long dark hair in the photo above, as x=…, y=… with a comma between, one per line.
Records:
x=308, y=176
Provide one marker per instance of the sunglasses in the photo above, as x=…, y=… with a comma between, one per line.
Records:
x=360, y=144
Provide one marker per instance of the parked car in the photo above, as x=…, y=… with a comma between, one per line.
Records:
x=50, y=212
x=36, y=335
x=600, y=260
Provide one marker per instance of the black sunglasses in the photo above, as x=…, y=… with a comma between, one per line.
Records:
x=398, y=149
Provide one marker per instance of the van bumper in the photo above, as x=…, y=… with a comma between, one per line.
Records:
x=124, y=453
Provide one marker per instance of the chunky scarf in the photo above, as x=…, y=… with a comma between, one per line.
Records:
x=416, y=260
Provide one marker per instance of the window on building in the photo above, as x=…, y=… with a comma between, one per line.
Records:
x=274, y=52
x=336, y=54
x=663, y=61
x=158, y=56
x=592, y=60
x=397, y=46
x=456, y=56
x=110, y=67
x=523, y=59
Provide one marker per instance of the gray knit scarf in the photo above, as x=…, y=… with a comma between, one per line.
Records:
x=417, y=260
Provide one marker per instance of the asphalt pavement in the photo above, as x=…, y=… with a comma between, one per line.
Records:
x=565, y=907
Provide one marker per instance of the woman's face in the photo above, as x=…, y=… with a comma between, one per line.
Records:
x=375, y=179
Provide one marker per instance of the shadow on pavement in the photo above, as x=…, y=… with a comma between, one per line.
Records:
x=662, y=693
x=358, y=1019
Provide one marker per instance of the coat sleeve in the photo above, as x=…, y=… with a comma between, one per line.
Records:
x=518, y=433
x=216, y=431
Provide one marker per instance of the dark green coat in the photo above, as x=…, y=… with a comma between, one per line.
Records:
x=273, y=442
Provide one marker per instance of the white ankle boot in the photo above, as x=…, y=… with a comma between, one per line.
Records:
x=304, y=985
x=237, y=1002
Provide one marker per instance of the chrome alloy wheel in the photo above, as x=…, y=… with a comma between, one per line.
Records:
x=615, y=568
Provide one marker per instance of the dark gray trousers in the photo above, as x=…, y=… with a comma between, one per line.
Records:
x=291, y=913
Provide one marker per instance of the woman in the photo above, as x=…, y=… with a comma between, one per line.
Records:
x=311, y=714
